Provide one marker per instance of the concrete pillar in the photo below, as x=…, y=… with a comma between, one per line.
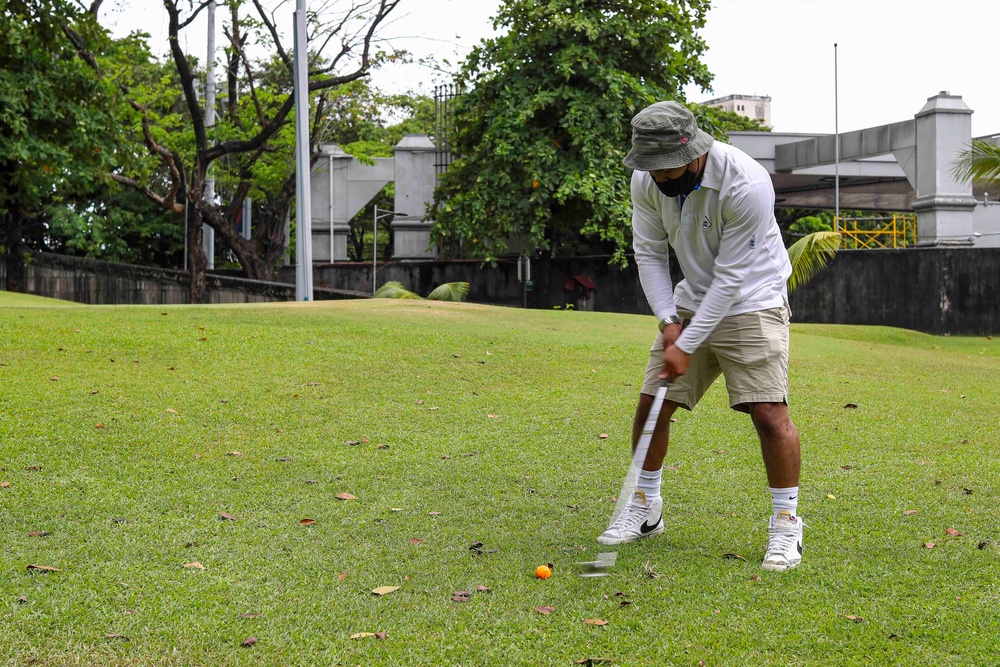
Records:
x=944, y=205
x=341, y=186
x=415, y=181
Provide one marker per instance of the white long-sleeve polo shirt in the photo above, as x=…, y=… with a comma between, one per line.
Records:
x=726, y=240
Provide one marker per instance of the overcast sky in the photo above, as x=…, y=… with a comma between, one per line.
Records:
x=892, y=54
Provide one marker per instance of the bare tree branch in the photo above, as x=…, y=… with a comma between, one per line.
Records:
x=187, y=22
x=187, y=79
x=269, y=22
x=175, y=206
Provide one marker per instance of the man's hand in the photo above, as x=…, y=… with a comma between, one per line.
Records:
x=675, y=360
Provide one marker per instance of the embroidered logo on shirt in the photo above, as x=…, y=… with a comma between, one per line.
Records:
x=753, y=242
x=706, y=223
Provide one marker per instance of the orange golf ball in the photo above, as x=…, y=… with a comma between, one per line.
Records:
x=543, y=572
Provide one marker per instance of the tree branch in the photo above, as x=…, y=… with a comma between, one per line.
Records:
x=174, y=206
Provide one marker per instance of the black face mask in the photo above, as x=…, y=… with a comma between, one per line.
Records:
x=682, y=185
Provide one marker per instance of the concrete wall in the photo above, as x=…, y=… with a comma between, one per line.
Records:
x=934, y=290
x=94, y=282
x=937, y=291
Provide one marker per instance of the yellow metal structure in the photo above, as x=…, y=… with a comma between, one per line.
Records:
x=895, y=231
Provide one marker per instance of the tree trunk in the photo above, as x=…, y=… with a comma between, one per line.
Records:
x=15, y=253
x=197, y=262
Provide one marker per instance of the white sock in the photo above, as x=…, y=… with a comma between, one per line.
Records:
x=785, y=499
x=649, y=483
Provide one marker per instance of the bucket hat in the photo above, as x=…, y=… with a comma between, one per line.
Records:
x=665, y=135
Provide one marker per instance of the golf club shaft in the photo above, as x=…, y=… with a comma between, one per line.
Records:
x=641, y=448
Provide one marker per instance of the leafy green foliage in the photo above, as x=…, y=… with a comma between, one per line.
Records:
x=809, y=255
x=393, y=289
x=56, y=130
x=450, y=292
x=545, y=124
x=812, y=223
x=979, y=162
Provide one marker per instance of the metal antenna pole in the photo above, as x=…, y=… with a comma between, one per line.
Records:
x=836, y=146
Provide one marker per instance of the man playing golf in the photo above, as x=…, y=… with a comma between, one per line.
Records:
x=714, y=205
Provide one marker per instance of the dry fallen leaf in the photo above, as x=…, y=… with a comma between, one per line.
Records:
x=446, y=456
x=249, y=641
x=384, y=590
x=482, y=589
x=435, y=513
x=4, y=484
x=461, y=596
x=171, y=411
x=929, y=545
x=226, y=516
x=54, y=378
x=38, y=533
x=395, y=509
x=98, y=425
x=234, y=453
x=545, y=610
x=342, y=576
x=195, y=566
x=953, y=532
x=362, y=635
x=307, y=522
x=415, y=542
x=345, y=496
x=831, y=496
x=909, y=512
x=23, y=599
x=594, y=621
x=43, y=568
x=493, y=416
x=856, y=619
x=249, y=615
x=381, y=635
x=603, y=436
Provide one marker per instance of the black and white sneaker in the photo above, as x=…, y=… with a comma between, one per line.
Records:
x=784, y=543
x=638, y=519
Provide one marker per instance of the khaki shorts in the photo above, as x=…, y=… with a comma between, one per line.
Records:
x=749, y=350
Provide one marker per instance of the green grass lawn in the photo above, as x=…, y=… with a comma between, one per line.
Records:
x=126, y=432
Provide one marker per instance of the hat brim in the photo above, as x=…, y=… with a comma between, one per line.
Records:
x=655, y=161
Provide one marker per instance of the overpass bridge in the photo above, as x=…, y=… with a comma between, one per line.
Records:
x=900, y=167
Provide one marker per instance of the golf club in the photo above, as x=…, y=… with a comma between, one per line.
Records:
x=639, y=455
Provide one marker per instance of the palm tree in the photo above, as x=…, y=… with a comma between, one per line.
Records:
x=809, y=255
x=979, y=162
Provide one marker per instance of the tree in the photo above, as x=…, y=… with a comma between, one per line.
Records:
x=248, y=150
x=55, y=121
x=542, y=131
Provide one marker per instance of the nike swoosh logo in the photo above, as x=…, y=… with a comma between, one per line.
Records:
x=646, y=528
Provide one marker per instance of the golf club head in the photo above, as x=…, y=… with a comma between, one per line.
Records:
x=600, y=566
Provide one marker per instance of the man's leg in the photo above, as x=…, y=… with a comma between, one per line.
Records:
x=661, y=434
x=779, y=444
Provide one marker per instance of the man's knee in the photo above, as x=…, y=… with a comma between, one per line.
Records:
x=770, y=418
